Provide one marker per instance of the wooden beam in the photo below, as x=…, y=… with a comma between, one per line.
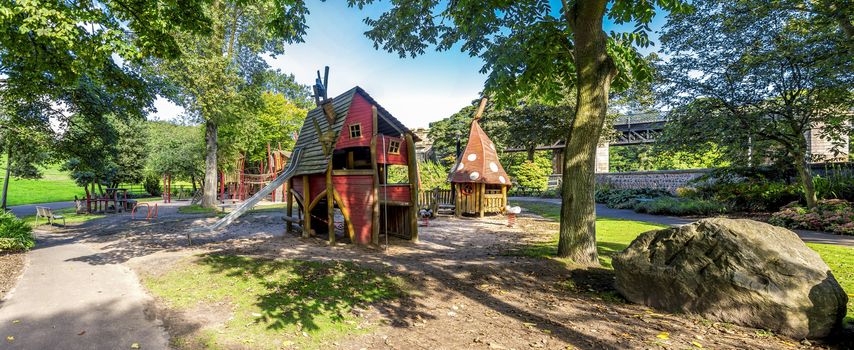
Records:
x=297, y=196
x=329, y=111
x=458, y=200
x=292, y=220
x=395, y=203
x=306, y=229
x=480, y=108
x=346, y=213
x=375, y=203
x=338, y=172
x=317, y=199
x=290, y=206
x=481, y=203
x=413, y=185
x=503, y=199
x=330, y=203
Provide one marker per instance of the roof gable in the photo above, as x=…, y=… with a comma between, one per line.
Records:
x=313, y=160
x=479, y=162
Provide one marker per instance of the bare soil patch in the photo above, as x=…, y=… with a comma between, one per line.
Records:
x=465, y=293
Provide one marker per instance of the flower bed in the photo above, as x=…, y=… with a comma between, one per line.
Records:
x=832, y=215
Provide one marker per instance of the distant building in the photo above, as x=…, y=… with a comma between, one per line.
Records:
x=424, y=147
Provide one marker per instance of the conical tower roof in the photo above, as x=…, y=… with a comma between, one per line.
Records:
x=479, y=162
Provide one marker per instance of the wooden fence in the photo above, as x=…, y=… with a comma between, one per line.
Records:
x=435, y=199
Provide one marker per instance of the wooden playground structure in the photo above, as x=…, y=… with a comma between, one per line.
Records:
x=349, y=143
x=478, y=181
x=243, y=182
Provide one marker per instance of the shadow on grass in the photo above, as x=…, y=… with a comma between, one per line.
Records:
x=306, y=294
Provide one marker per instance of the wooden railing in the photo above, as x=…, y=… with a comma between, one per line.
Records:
x=493, y=202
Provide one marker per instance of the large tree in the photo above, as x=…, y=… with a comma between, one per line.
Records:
x=59, y=61
x=528, y=48
x=177, y=150
x=756, y=77
x=25, y=140
x=220, y=75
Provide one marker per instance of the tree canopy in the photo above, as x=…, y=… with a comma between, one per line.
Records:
x=531, y=48
x=220, y=75
x=755, y=77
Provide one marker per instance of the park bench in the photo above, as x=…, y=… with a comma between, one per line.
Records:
x=45, y=212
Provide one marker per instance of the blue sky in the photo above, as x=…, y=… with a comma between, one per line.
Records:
x=416, y=91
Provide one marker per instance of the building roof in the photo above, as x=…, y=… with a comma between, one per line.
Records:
x=479, y=162
x=313, y=160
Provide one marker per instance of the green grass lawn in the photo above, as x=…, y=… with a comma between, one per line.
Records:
x=69, y=214
x=272, y=304
x=614, y=235
x=196, y=209
x=54, y=186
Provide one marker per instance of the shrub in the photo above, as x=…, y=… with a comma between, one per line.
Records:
x=532, y=174
x=751, y=195
x=680, y=207
x=832, y=215
x=626, y=198
x=433, y=175
x=151, y=184
x=834, y=187
x=15, y=234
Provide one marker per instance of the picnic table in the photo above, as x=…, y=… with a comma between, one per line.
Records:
x=119, y=198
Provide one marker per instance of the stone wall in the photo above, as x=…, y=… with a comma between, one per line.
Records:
x=668, y=180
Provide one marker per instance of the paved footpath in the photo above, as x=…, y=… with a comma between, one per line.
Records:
x=30, y=209
x=603, y=211
x=64, y=303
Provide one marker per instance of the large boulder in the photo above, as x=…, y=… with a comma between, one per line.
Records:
x=737, y=271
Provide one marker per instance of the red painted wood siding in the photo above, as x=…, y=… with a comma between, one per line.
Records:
x=392, y=158
x=355, y=191
x=360, y=113
x=399, y=193
x=318, y=184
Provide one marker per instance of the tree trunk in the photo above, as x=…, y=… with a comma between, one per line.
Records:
x=531, y=150
x=193, y=181
x=805, y=174
x=6, y=178
x=594, y=71
x=209, y=198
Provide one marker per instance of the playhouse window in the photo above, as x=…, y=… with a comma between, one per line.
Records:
x=355, y=131
x=394, y=147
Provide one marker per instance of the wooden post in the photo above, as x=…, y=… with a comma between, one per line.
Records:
x=375, y=203
x=290, y=211
x=482, y=202
x=458, y=202
x=413, y=186
x=435, y=205
x=375, y=194
x=503, y=198
x=330, y=203
x=345, y=212
x=306, y=227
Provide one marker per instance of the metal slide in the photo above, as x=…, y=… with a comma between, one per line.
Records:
x=257, y=197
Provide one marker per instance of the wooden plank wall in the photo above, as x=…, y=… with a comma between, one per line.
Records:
x=356, y=193
x=359, y=113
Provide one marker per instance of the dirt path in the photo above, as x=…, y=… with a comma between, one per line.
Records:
x=467, y=293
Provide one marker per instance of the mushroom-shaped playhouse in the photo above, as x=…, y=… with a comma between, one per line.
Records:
x=478, y=179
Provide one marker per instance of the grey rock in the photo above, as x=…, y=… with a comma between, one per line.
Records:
x=738, y=271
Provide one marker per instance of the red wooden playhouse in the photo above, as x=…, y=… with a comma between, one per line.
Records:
x=350, y=145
